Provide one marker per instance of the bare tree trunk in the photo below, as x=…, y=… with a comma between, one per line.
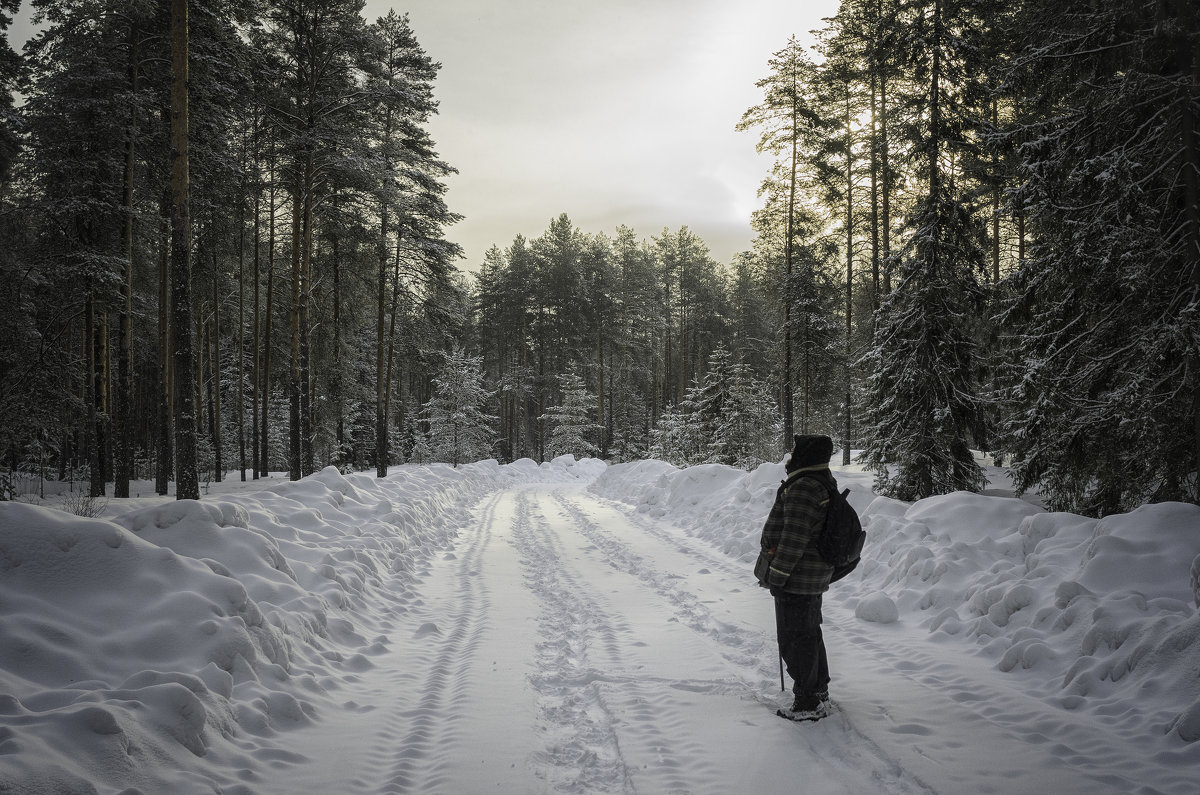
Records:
x=187, y=485
x=215, y=399
x=336, y=380
x=95, y=436
x=306, y=408
x=381, y=347
x=166, y=448
x=294, y=472
x=255, y=338
x=241, y=337
x=125, y=348
x=995, y=199
x=600, y=387
x=264, y=437
x=875, y=259
x=1189, y=61
x=886, y=203
x=789, y=247
x=391, y=347
x=849, y=367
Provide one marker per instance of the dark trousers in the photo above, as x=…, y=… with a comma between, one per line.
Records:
x=798, y=626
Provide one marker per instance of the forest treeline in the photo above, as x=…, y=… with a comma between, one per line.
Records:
x=982, y=230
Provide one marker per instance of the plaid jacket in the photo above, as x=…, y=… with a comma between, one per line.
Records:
x=787, y=563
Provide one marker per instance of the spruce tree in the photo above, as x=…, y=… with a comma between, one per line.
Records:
x=924, y=407
x=460, y=429
x=572, y=427
x=1104, y=385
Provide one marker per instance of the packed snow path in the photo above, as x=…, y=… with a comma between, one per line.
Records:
x=568, y=644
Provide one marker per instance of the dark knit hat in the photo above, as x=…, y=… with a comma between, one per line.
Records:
x=810, y=451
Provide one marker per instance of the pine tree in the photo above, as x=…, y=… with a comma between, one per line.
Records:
x=791, y=122
x=923, y=404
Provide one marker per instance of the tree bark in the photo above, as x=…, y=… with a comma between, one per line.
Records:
x=294, y=371
x=123, y=440
x=255, y=338
x=1189, y=61
x=849, y=427
x=187, y=485
x=264, y=437
x=215, y=399
x=241, y=329
x=165, y=469
x=306, y=404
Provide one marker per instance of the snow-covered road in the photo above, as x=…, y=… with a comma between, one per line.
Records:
x=568, y=644
x=529, y=629
x=563, y=645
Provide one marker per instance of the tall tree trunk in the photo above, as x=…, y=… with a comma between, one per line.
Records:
x=391, y=347
x=198, y=379
x=306, y=404
x=600, y=387
x=336, y=378
x=187, y=484
x=381, y=379
x=995, y=198
x=849, y=366
x=267, y=345
x=103, y=402
x=789, y=248
x=1189, y=64
x=215, y=399
x=255, y=338
x=381, y=348
x=241, y=329
x=885, y=166
x=125, y=350
x=875, y=258
x=165, y=468
x=294, y=435
x=95, y=436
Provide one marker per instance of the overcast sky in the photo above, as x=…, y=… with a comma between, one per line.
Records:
x=612, y=111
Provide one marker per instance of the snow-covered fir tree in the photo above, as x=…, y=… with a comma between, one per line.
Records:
x=726, y=418
x=460, y=430
x=735, y=418
x=571, y=422
x=675, y=438
x=923, y=408
x=1104, y=380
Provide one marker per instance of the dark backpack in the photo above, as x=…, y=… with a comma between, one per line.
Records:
x=840, y=542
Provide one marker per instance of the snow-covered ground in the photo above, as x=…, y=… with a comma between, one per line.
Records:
x=580, y=628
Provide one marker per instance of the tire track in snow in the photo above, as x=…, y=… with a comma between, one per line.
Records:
x=741, y=646
x=582, y=753
x=418, y=738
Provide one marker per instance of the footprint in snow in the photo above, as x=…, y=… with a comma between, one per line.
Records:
x=428, y=628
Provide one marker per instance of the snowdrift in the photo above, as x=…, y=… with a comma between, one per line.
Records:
x=1098, y=616
x=168, y=646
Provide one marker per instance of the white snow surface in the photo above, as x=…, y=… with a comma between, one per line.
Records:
x=577, y=627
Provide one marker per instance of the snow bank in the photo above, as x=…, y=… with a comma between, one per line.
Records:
x=132, y=647
x=716, y=503
x=1097, y=615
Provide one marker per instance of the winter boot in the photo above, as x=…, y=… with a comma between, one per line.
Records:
x=806, y=708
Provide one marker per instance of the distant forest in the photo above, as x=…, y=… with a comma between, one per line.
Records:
x=981, y=232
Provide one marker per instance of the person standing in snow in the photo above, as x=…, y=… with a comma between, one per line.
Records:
x=797, y=576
